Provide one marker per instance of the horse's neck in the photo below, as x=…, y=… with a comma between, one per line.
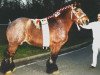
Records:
x=68, y=23
x=66, y=20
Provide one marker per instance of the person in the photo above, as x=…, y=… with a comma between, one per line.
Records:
x=95, y=26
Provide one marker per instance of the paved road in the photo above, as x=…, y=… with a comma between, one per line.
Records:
x=72, y=63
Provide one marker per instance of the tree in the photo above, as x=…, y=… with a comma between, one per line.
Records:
x=58, y=4
x=48, y=7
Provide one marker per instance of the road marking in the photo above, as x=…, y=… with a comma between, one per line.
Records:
x=4, y=24
x=46, y=59
x=72, y=51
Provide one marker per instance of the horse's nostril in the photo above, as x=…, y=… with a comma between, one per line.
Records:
x=87, y=22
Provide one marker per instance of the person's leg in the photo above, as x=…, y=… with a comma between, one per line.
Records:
x=95, y=54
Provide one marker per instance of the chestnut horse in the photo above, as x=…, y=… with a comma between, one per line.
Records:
x=23, y=30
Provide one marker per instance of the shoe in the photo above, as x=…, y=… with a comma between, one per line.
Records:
x=92, y=67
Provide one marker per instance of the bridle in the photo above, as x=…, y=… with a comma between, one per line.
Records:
x=79, y=18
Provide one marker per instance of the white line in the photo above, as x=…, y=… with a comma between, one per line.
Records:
x=30, y=64
x=72, y=51
x=46, y=59
x=3, y=24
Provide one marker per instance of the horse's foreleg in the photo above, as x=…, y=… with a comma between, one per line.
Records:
x=51, y=62
x=7, y=63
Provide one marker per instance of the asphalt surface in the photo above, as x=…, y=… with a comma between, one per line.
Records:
x=76, y=62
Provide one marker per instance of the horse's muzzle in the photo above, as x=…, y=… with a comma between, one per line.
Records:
x=85, y=22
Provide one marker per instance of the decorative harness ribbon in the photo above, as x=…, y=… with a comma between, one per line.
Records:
x=36, y=23
x=45, y=30
x=45, y=33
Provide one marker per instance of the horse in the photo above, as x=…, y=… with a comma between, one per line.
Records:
x=24, y=30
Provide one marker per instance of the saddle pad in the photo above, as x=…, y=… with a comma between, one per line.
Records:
x=45, y=32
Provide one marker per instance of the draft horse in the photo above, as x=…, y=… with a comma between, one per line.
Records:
x=23, y=30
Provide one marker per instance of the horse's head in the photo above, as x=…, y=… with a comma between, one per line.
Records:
x=78, y=16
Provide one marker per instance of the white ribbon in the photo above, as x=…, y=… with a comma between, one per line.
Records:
x=78, y=27
x=45, y=33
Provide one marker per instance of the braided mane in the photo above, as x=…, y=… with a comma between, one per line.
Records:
x=58, y=12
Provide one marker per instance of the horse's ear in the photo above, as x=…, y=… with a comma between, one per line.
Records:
x=72, y=6
x=76, y=4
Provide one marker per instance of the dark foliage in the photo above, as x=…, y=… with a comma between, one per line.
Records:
x=37, y=9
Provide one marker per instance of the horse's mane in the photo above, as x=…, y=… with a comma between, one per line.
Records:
x=61, y=11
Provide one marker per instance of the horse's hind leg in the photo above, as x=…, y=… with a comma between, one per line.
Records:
x=7, y=63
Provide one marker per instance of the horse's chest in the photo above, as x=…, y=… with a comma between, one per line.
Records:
x=59, y=34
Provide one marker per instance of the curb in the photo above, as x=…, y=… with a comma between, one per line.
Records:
x=31, y=57
x=45, y=54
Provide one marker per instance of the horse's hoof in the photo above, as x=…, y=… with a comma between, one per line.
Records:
x=14, y=70
x=56, y=72
x=8, y=73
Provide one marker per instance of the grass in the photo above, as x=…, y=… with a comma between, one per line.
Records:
x=23, y=51
x=27, y=50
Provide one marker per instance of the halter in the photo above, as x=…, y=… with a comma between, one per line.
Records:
x=78, y=17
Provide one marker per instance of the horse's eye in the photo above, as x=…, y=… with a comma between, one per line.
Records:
x=76, y=11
